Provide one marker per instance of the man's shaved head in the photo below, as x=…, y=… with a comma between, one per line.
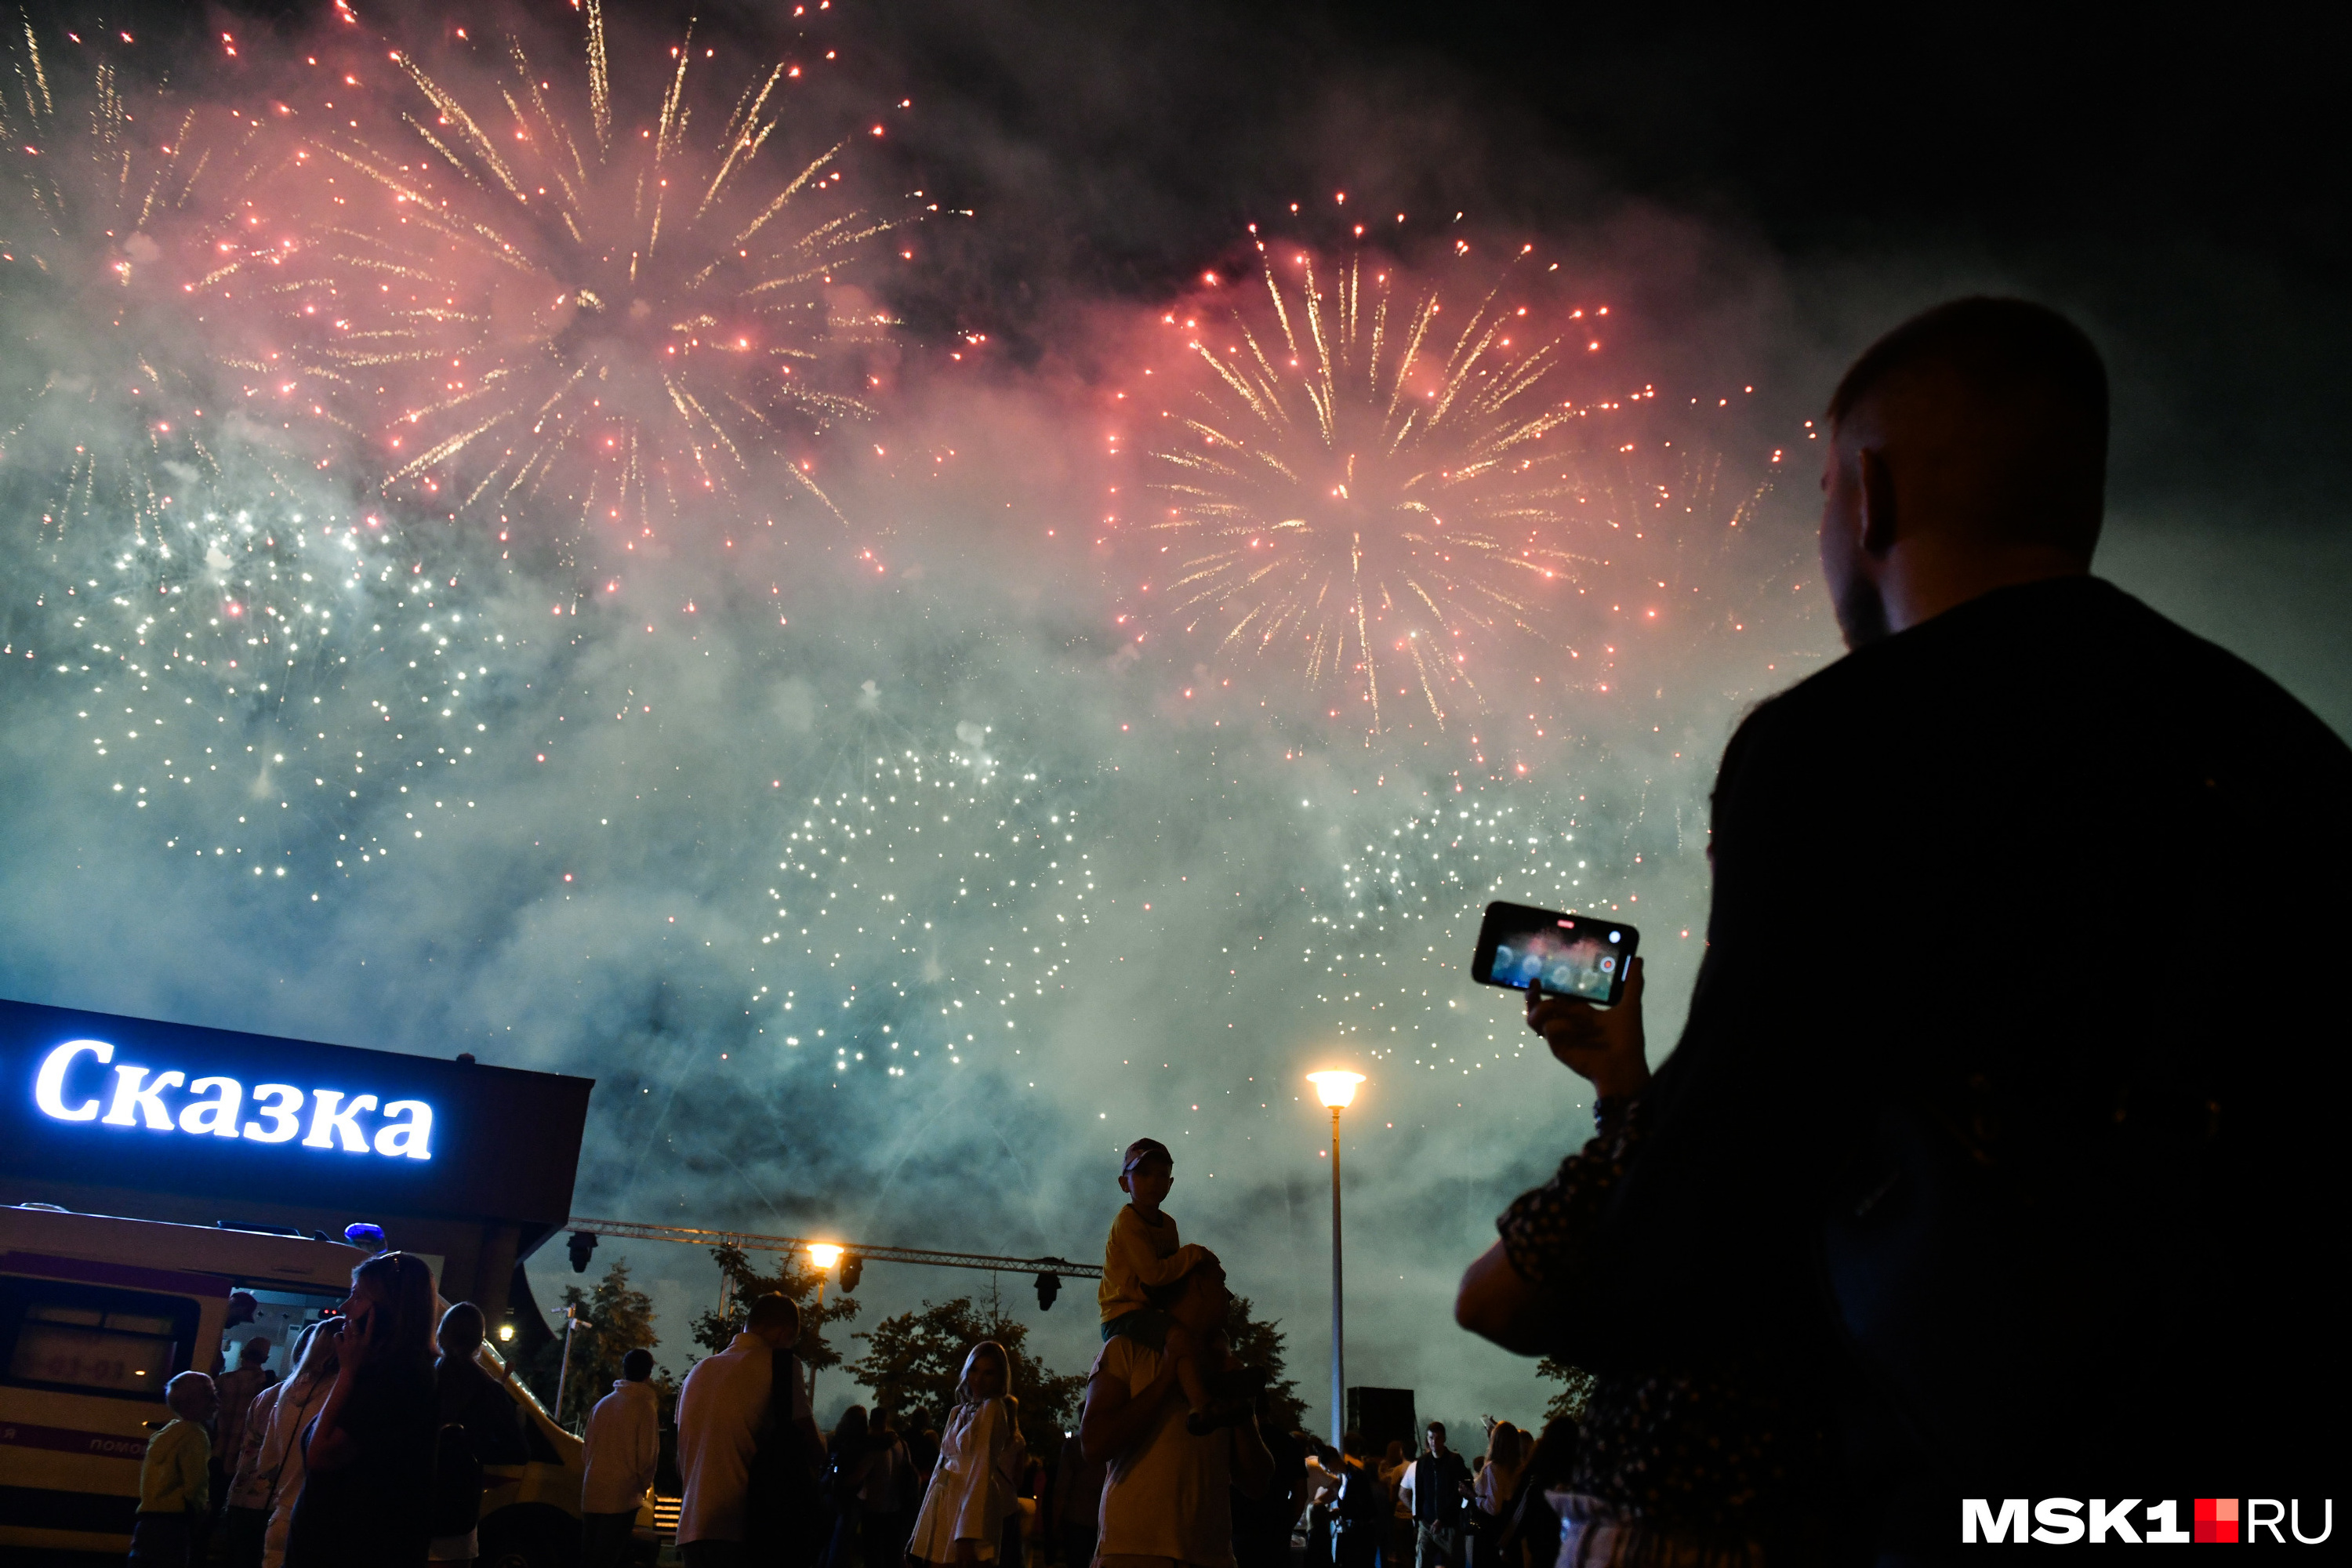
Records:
x=775, y=1318
x=2008, y=400
x=1968, y=450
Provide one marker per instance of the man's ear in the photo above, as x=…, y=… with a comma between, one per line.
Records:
x=1878, y=524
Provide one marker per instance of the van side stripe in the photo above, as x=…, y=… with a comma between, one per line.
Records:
x=89, y=1271
x=67, y=1440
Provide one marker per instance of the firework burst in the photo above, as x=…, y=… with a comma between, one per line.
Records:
x=1360, y=481
x=111, y=175
x=266, y=683
x=520, y=303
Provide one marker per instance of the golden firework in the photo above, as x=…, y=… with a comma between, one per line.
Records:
x=1359, y=485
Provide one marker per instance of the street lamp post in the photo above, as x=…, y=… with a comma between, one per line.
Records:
x=1336, y=1089
x=563, y=1376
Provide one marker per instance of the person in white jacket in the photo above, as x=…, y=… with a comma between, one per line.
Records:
x=281, y=1465
x=981, y=1455
x=624, y=1446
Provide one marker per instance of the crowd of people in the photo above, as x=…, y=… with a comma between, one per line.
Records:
x=371, y=1451
x=1174, y=1461
x=1971, y=1175
x=1431, y=1508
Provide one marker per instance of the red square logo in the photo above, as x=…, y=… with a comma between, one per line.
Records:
x=2217, y=1518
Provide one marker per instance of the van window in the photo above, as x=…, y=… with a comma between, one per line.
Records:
x=279, y=1316
x=91, y=1339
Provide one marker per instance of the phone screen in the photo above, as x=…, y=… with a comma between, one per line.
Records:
x=1568, y=955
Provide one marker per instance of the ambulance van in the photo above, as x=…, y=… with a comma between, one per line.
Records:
x=98, y=1313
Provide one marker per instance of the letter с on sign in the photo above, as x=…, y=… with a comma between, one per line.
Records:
x=80, y=1080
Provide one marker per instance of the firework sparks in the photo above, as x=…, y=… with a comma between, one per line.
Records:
x=111, y=175
x=270, y=689
x=1360, y=484
x=525, y=306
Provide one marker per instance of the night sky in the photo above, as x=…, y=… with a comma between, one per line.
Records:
x=1169, y=896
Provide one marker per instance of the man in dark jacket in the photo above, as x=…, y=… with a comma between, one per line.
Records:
x=2004, y=1099
x=1438, y=1478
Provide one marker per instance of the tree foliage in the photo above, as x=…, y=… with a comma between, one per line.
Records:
x=1260, y=1344
x=614, y=1318
x=714, y=1331
x=1575, y=1389
x=913, y=1360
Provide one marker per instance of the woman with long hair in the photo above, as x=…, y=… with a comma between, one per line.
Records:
x=980, y=1459
x=1500, y=1476
x=368, y=1453
x=278, y=1473
x=1490, y=1493
x=1530, y=1537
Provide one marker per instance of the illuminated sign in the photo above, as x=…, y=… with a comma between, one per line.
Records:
x=97, y=1109
x=71, y=1086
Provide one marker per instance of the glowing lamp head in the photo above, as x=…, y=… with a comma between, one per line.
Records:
x=1336, y=1087
x=824, y=1254
x=505, y=1332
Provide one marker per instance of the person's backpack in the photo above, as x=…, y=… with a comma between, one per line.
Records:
x=457, y=1482
x=1364, y=1505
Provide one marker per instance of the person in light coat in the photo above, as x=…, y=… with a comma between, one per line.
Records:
x=279, y=1470
x=974, y=1485
x=624, y=1446
x=748, y=1398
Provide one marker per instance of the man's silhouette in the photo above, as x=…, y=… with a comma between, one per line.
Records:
x=2006, y=1095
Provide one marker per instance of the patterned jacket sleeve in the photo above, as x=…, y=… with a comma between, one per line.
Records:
x=1547, y=1232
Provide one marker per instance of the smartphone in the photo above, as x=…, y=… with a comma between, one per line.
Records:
x=1584, y=956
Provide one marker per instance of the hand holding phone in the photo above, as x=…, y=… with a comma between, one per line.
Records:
x=1583, y=986
x=1604, y=1045
x=1522, y=948
x=363, y=1321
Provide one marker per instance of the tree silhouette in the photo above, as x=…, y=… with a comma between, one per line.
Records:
x=713, y=1330
x=913, y=1360
x=1260, y=1344
x=614, y=1318
x=1575, y=1388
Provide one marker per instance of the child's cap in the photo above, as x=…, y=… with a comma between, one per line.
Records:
x=1144, y=1149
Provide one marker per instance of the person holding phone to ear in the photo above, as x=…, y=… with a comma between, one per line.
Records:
x=368, y=1454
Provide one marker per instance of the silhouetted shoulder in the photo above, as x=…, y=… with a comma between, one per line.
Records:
x=2071, y=663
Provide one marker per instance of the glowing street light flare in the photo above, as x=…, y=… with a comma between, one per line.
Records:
x=1335, y=1087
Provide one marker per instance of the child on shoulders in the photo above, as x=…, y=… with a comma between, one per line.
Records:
x=1144, y=1254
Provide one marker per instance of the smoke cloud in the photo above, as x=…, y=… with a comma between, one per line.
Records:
x=886, y=883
